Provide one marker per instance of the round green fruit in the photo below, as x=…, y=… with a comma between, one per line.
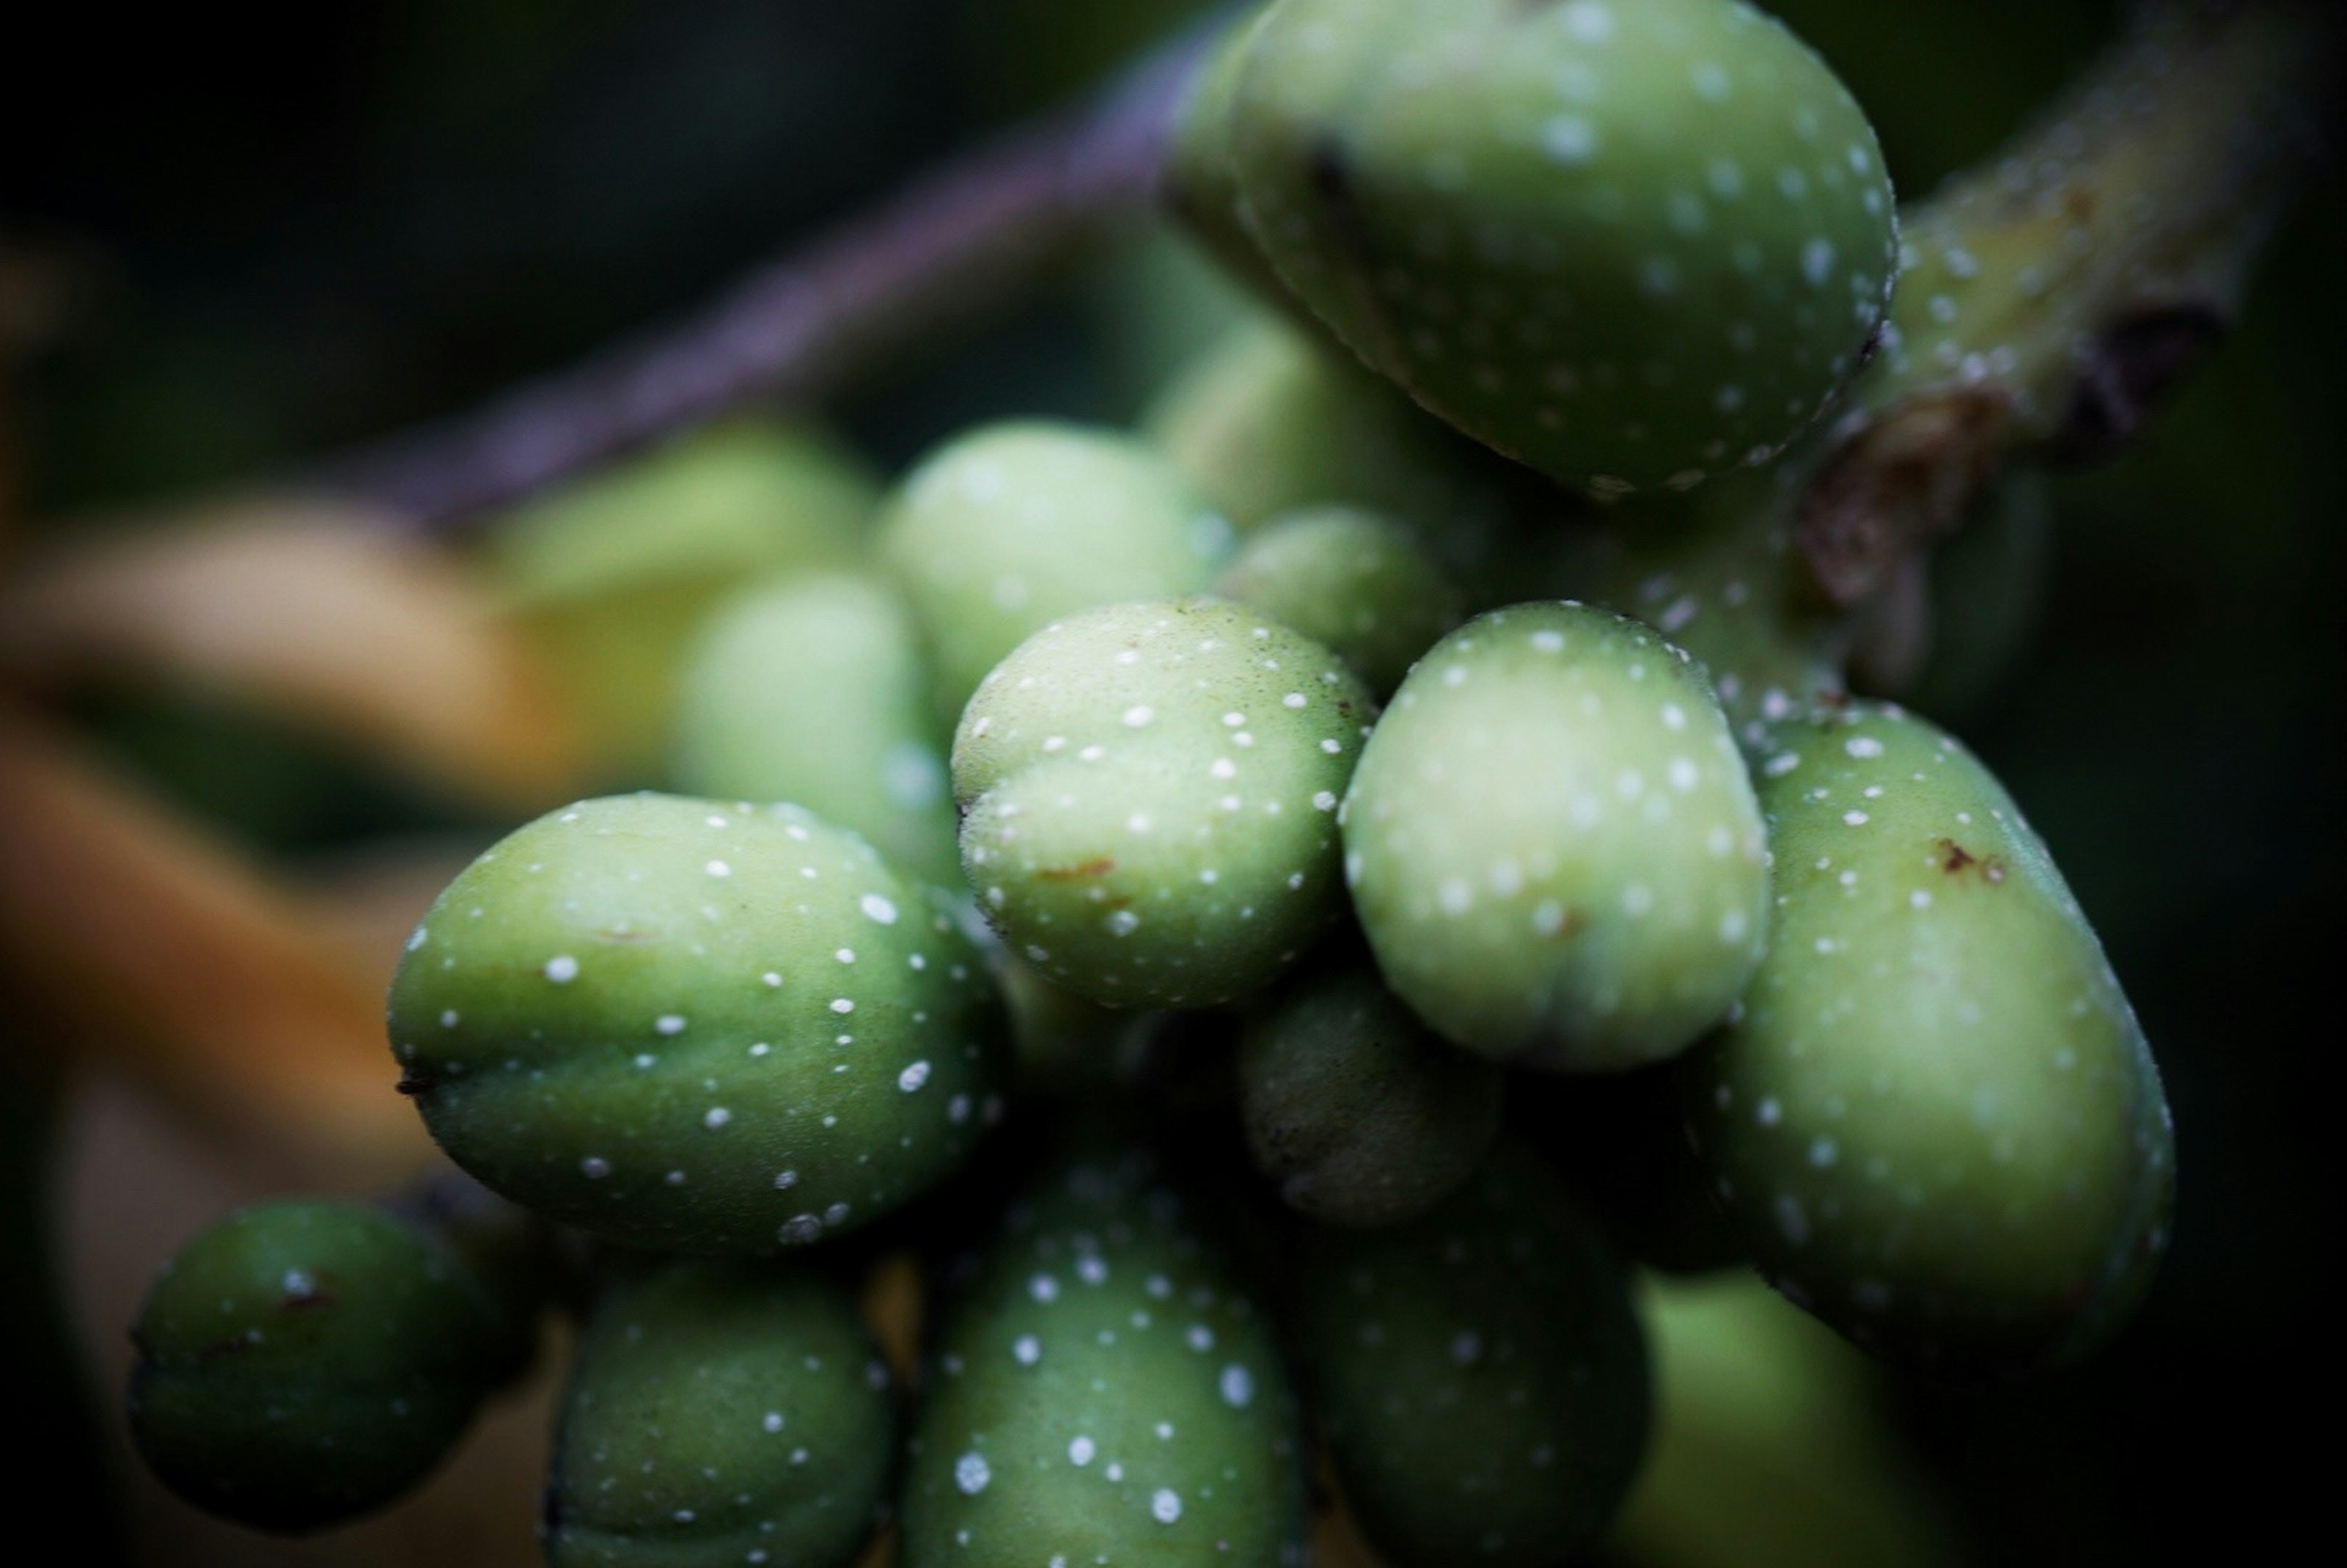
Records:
x=1351, y=580
x=302, y=1363
x=1935, y=1121
x=722, y=1414
x=1149, y=796
x=1553, y=846
x=695, y=1026
x=1629, y=244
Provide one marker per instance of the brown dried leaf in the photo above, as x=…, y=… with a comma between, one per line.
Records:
x=137, y=942
x=313, y=610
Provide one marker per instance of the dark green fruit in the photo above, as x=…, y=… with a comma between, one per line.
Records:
x=699, y=1027
x=1936, y=1121
x=1358, y=1113
x=1006, y=529
x=1630, y=244
x=1352, y=580
x=722, y=1414
x=302, y=1363
x=1553, y=844
x=1104, y=1391
x=1149, y=795
x=1479, y=1374
x=813, y=690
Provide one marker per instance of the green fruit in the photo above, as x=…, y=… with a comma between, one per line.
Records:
x=1271, y=421
x=302, y=1363
x=813, y=690
x=1009, y=527
x=1149, y=796
x=1479, y=1374
x=1351, y=580
x=1553, y=844
x=612, y=575
x=1629, y=244
x=1359, y=1115
x=1935, y=1123
x=687, y=1025
x=1104, y=1391
x=722, y=1414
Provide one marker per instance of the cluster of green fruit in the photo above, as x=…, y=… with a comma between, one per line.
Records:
x=1362, y=943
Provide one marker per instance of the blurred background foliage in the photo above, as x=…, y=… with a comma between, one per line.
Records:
x=230, y=240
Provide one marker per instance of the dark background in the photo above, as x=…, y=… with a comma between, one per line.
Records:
x=288, y=235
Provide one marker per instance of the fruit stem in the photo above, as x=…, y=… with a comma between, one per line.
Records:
x=2051, y=297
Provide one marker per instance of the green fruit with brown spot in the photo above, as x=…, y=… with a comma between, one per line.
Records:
x=1935, y=1121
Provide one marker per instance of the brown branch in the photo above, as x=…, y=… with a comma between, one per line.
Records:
x=971, y=237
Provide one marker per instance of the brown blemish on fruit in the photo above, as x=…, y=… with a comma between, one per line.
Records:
x=1574, y=923
x=1090, y=868
x=1956, y=860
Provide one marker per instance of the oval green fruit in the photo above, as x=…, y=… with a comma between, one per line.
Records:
x=305, y=1362
x=1149, y=795
x=695, y=1026
x=1935, y=1123
x=1351, y=580
x=1105, y=1390
x=1479, y=1373
x=1631, y=245
x=722, y=1414
x=1553, y=844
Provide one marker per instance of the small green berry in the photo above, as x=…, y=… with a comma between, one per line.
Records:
x=1104, y=1389
x=813, y=690
x=722, y=1414
x=1351, y=580
x=302, y=1363
x=695, y=1026
x=1358, y=1113
x=1479, y=1373
x=1552, y=845
x=1011, y=526
x=1149, y=796
x=1935, y=1123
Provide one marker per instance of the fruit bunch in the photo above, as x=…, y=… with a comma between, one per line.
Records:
x=1276, y=912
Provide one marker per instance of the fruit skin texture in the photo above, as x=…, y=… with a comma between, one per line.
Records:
x=1102, y=1386
x=1553, y=846
x=1936, y=1122
x=1358, y=1113
x=304, y=1362
x=813, y=690
x=721, y=1413
x=1628, y=244
x=628, y=1016
x=1010, y=526
x=1149, y=796
x=1480, y=1375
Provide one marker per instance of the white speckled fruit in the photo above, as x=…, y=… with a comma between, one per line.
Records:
x=1149, y=795
x=1553, y=846
x=1630, y=244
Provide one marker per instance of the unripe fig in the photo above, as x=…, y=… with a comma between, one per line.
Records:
x=612, y=575
x=1104, y=1389
x=1358, y=1113
x=1008, y=527
x=305, y=1362
x=813, y=690
x=1552, y=845
x=1628, y=244
x=722, y=1414
x=697, y=1026
x=1149, y=795
x=1351, y=580
x=1479, y=1373
x=1935, y=1120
